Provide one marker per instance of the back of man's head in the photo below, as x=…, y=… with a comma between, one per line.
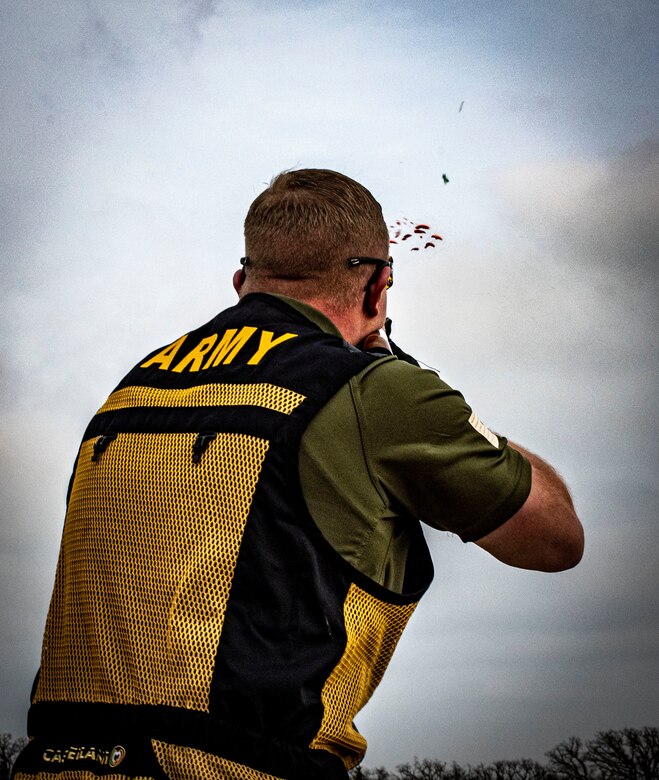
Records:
x=300, y=232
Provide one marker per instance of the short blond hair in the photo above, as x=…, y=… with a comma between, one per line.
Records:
x=303, y=228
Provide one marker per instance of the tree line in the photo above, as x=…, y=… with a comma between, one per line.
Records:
x=9, y=749
x=630, y=754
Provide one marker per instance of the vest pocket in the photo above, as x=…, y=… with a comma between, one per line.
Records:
x=150, y=545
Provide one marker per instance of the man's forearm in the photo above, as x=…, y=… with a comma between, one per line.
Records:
x=545, y=533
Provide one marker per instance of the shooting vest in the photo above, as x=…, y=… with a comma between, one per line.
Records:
x=200, y=625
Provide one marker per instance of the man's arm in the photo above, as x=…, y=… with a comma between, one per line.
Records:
x=545, y=533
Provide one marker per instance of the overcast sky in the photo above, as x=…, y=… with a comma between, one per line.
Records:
x=135, y=136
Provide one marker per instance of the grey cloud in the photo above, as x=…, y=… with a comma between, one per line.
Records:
x=197, y=13
x=100, y=44
x=123, y=36
x=603, y=213
x=62, y=65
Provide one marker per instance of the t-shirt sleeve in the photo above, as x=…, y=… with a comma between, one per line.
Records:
x=431, y=457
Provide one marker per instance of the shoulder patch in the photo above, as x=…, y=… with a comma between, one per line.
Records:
x=480, y=426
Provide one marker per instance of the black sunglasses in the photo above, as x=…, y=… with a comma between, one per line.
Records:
x=379, y=265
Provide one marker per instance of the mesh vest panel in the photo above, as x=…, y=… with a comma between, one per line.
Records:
x=373, y=629
x=149, y=550
x=182, y=763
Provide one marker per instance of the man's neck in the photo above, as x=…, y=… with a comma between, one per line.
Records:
x=352, y=323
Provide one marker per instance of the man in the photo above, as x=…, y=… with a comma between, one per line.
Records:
x=243, y=545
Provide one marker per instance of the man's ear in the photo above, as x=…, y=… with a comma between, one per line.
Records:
x=239, y=280
x=373, y=297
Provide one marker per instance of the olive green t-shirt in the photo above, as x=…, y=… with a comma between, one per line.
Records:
x=396, y=442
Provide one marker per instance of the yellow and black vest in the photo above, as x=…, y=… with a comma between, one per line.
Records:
x=200, y=624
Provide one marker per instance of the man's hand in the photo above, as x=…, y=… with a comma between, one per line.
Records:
x=376, y=343
x=395, y=348
x=545, y=533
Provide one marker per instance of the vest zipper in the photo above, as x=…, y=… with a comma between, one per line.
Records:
x=201, y=444
x=101, y=445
